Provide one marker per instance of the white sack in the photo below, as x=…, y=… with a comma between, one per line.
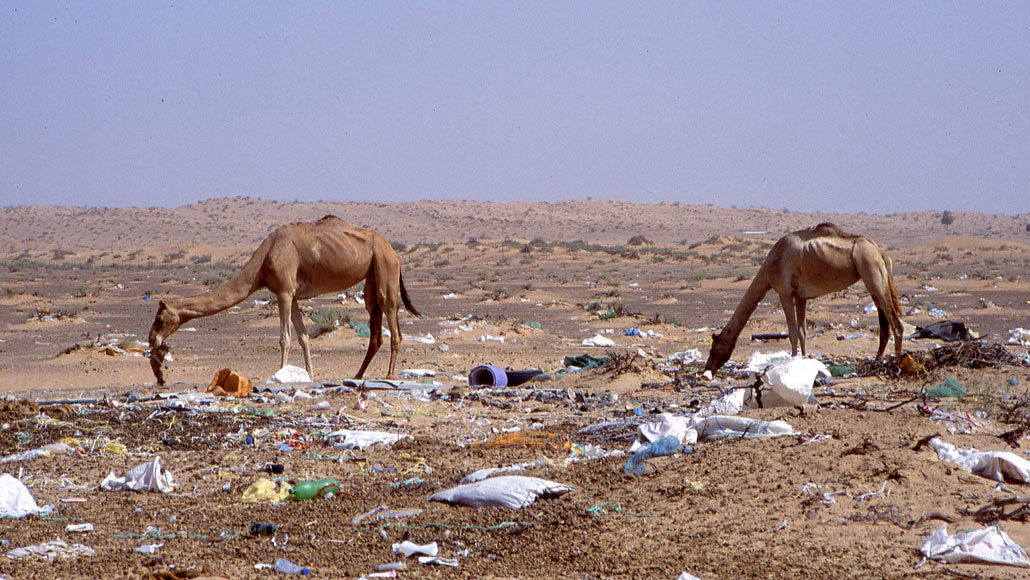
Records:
x=760, y=361
x=144, y=477
x=361, y=439
x=792, y=380
x=289, y=374
x=51, y=550
x=986, y=545
x=598, y=340
x=686, y=357
x=721, y=426
x=15, y=499
x=481, y=474
x=511, y=491
x=996, y=465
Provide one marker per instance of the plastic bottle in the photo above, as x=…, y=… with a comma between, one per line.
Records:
x=287, y=567
x=308, y=489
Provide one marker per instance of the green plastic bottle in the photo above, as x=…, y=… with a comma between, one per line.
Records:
x=310, y=489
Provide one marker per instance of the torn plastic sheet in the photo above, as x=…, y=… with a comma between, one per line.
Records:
x=511, y=491
x=481, y=474
x=51, y=551
x=144, y=477
x=598, y=340
x=791, y=378
x=16, y=500
x=409, y=549
x=362, y=439
x=987, y=545
x=677, y=426
x=996, y=465
x=721, y=426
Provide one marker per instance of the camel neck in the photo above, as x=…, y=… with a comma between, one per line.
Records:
x=218, y=299
x=754, y=294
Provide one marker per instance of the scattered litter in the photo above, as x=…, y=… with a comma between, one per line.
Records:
x=598, y=340
x=666, y=425
x=52, y=550
x=949, y=388
x=144, y=477
x=996, y=465
x=418, y=373
x=437, y=560
x=1020, y=336
x=409, y=549
x=228, y=383
x=310, y=489
x=15, y=499
x=722, y=426
x=290, y=374
x=990, y=544
x=949, y=331
x=686, y=357
x=511, y=491
x=427, y=339
x=495, y=376
x=362, y=439
x=490, y=338
x=58, y=448
x=149, y=548
x=668, y=445
x=79, y=528
x=481, y=474
x=585, y=362
x=284, y=566
x=264, y=490
x=792, y=381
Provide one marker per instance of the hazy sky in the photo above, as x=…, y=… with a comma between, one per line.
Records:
x=810, y=106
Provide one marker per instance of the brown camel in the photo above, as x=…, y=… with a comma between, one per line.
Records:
x=298, y=261
x=810, y=263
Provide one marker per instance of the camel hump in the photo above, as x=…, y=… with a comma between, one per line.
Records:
x=328, y=217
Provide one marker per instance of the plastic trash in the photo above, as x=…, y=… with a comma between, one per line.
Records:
x=52, y=550
x=262, y=529
x=987, y=545
x=437, y=560
x=265, y=490
x=481, y=474
x=80, y=528
x=598, y=340
x=949, y=388
x=948, y=331
x=668, y=445
x=285, y=566
x=841, y=370
x=362, y=439
x=49, y=449
x=149, y=548
x=686, y=357
x=229, y=383
x=390, y=566
x=792, y=380
x=721, y=426
x=996, y=465
x=511, y=491
x=667, y=425
x=495, y=376
x=1019, y=336
x=310, y=489
x=290, y=374
x=585, y=361
x=144, y=477
x=409, y=549
x=15, y=499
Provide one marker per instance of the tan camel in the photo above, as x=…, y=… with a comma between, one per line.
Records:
x=298, y=261
x=810, y=263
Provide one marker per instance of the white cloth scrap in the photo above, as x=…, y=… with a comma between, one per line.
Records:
x=996, y=465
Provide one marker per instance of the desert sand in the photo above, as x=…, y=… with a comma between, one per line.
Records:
x=852, y=493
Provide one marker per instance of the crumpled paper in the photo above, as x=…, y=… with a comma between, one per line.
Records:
x=986, y=545
x=511, y=491
x=996, y=465
x=144, y=477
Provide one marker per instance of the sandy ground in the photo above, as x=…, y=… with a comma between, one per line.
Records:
x=850, y=494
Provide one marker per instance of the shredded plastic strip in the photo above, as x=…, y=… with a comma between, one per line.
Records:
x=601, y=509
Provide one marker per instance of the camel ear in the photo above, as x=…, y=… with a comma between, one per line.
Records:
x=715, y=337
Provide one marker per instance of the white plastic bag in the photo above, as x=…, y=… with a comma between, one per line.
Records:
x=144, y=477
x=362, y=439
x=996, y=465
x=511, y=491
x=15, y=499
x=986, y=545
x=721, y=426
x=793, y=380
x=598, y=340
x=667, y=424
x=409, y=549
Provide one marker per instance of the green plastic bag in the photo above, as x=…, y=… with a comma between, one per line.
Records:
x=949, y=388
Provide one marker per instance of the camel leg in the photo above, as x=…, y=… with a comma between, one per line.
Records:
x=285, y=300
x=375, y=324
x=792, y=322
x=874, y=276
x=390, y=308
x=800, y=306
x=302, y=335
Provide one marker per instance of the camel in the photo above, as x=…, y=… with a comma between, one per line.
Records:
x=298, y=261
x=806, y=264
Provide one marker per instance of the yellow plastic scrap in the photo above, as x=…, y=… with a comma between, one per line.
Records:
x=910, y=367
x=114, y=448
x=264, y=490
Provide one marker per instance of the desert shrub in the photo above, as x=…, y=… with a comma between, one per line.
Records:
x=60, y=254
x=202, y=259
x=639, y=240
x=398, y=246
x=174, y=256
x=86, y=291
x=327, y=319
x=947, y=218
x=441, y=263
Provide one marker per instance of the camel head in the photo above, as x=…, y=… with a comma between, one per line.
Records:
x=166, y=322
x=722, y=348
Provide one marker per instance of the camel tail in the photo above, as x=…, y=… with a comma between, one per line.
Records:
x=407, y=300
x=895, y=302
